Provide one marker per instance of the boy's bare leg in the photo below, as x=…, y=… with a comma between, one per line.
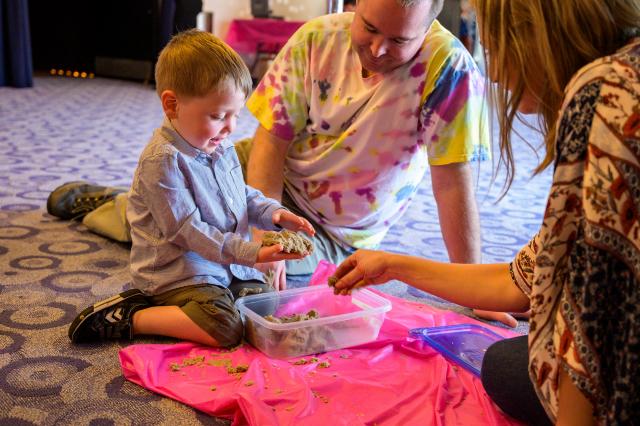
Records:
x=170, y=321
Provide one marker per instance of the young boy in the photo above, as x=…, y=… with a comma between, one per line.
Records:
x=190, y=210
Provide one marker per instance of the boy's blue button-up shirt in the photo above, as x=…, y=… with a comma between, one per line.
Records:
x=190, y=214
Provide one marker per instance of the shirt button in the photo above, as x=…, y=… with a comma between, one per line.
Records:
x=230, y=200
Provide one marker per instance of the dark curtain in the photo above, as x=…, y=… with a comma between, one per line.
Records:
x=16, y=67
x=176, y=16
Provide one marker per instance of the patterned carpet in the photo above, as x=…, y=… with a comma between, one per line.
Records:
x=66, y=129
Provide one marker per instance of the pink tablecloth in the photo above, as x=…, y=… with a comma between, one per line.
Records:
x=394, y=380
x=264, y=35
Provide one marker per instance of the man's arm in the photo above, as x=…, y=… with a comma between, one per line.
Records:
x=459, y=221
x=265, y=171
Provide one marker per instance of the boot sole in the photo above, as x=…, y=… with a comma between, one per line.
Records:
x=54, y=198
x=88, y=312
x=52, y=201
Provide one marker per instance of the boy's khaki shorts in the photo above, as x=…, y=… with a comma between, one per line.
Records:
x=211, y=307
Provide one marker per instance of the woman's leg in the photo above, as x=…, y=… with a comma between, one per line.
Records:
x=505, y=377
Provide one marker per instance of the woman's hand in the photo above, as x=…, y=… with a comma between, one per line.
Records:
x=503, y=317
x=292, y=222
x=364, y=267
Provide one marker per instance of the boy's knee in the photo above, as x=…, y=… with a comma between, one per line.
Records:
x=219, y=318
x=226, y=322
x=231, y=333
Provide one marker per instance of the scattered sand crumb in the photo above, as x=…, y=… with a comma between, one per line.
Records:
x=320, y=397
x=240, y=368
x=243, y=292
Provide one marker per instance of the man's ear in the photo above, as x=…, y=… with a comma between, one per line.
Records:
x=169, y=103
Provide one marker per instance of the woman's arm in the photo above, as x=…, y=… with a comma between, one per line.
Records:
x=482, y=286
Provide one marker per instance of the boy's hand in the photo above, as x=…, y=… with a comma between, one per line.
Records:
x=292, y=222
x=279, y=271
x=274, y=253
x=278, y=268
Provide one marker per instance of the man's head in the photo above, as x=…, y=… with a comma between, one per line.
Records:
x=203, y=85
x=388, y=33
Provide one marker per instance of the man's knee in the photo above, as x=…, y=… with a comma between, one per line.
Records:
x=246, y=288
x=109, y=220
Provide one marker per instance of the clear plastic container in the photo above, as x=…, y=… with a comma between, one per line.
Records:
x=342, y=321
x=465, y=344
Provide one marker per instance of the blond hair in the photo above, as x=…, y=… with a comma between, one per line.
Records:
x=195, y=62
x=538, y=45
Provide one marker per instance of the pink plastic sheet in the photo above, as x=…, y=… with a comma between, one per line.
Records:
x=394, y=380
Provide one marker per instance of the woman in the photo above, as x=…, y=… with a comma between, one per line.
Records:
x=577, y=64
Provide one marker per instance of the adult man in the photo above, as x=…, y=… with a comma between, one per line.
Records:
x=351, y=112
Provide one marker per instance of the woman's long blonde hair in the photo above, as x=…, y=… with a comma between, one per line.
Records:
x=543, y=43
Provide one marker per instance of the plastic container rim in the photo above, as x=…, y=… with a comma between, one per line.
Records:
x=367, y=295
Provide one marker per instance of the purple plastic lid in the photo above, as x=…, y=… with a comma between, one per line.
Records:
x=465, y=344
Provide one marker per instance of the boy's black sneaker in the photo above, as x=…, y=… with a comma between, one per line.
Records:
x=73, y=200
x=110, y=319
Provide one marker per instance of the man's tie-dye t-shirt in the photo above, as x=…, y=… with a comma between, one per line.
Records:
x=360, y=146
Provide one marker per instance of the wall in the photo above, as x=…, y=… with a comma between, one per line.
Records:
x=295, y=10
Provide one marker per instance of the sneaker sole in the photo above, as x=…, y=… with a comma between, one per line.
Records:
x=88, y=312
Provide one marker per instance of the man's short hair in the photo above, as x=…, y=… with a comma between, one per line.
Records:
x=436, y=5
x=196, y=62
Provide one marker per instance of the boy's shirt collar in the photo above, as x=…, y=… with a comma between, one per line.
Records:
x=183, y=146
